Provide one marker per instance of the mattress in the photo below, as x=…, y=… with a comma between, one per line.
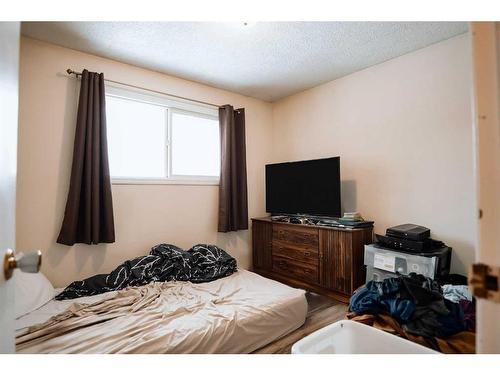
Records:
x=236, y=314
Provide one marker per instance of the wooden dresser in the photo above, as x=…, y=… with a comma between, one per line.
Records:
x=325, y=260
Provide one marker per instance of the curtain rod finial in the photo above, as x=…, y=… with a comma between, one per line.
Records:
x=69, y=71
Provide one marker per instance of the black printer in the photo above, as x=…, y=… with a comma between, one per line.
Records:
x=409, y=231
x=409, y=237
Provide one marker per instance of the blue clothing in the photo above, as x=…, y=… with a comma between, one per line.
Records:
x=415, y=301
x=456, y=293
x=378, y=297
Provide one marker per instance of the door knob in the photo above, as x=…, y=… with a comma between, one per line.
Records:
x=29, y=262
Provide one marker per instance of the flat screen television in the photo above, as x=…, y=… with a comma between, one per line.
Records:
x=309, y=187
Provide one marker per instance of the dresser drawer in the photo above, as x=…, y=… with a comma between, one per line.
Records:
x=295, y=269
x=296, y=235
x=298, y=253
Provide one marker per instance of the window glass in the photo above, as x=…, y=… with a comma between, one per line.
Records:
x=195, y=145
x=136, y=138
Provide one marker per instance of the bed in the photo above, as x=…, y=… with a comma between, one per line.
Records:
x=236, y=314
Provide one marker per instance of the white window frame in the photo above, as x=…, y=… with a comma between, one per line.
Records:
x=170, y=106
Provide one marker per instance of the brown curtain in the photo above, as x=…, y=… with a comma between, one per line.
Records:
x=88, y=217
x=233, y=205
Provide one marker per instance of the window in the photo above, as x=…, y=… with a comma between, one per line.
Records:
x=154, y=139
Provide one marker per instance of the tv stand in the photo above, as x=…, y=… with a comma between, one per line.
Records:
x=324, y=259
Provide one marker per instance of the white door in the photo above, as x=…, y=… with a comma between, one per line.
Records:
x=486, y=50
x=9, y=78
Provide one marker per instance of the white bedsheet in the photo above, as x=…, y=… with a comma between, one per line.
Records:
x=255, y=311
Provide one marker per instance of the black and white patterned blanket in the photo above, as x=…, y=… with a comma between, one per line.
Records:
x=200, y=264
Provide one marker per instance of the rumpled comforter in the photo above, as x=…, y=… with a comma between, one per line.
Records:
x=165, y=262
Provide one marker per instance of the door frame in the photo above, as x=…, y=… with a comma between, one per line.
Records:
x=486, y=122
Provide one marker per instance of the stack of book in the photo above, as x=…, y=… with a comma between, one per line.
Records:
x=354, y=219
x=352, y=216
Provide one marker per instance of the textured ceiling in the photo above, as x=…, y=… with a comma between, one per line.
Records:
x=267, y=60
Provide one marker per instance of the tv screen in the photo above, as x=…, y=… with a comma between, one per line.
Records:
x=304, y=187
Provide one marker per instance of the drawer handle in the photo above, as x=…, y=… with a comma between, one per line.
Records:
x=307, y=253
x=281, y=232
x=307, y=271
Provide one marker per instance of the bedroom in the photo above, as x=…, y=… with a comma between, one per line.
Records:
x=219, y=118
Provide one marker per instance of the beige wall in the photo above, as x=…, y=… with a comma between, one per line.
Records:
x=145, y=215
x=403, y=130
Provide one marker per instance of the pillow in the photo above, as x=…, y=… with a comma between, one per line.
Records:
x=32, y=290
x=210, y=262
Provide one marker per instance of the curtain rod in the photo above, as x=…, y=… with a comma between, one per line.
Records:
x=71, y=71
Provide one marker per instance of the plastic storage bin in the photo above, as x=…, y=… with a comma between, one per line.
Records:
x=403, y=263
x=375, y=274
x=348, y=337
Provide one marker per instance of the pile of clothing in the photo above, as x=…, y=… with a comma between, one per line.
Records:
x=419, y=305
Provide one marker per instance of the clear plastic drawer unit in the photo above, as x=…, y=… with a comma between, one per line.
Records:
x=378, y=258
x=375, y=274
